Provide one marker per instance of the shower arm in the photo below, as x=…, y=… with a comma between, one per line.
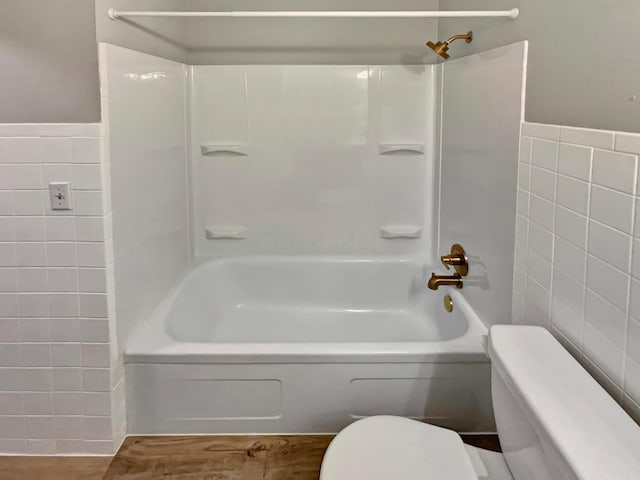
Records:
x=467, y=37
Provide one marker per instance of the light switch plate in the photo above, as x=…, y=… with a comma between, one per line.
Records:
x=60, y=196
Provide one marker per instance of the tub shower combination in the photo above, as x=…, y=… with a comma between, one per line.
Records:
x=295, y=344
x=284, y=278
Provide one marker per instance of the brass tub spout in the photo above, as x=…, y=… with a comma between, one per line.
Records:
x=436, y=281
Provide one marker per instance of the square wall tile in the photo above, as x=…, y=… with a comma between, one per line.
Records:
x=543, y=183
x=569, y=291
x=611, y=246
x=87, y=177
x=32, y=280
x=544, y=154
x=62, y=279
x=38, y=403
x=93, y=280
x=54, y=150
x=28, y=202
x=60, y=229
x=64, y=305
x=31, y=254
x=575, y=161
x=608, y=282
x=18, y=150
x=20, y=177
x=573, y=194
x=607, y=319
x=29, y=229
x=570, y=258
x=86, y=150
x=615, y=170
x=91, y=255
x=542, y=212
x=67, y=379
x=62, y=254
x=612, y=208
x=541, y=241
x=35, y=355
x=38, y=379
x=65, y=330
x=90, y=229
x=571, y=226
x=539, y=268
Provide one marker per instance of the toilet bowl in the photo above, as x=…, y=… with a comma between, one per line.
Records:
x=554, y=422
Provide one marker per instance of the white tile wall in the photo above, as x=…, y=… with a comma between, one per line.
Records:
x=59, y=390
x=577, y=259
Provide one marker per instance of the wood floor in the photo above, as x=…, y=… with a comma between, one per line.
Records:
x=296, y=457
x=220, y=458
x=53, y=468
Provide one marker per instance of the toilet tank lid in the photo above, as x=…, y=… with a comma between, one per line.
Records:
x=590, y=431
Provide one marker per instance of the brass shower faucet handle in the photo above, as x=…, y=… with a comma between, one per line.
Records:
x=456, y=259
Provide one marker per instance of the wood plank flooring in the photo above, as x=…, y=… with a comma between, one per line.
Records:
x=53, y=468
x=295, y=457
x=282, y=457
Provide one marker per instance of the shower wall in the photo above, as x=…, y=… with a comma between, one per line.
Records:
x=483, y=96
x=215, y=161
x=313, y=159
x=144, y=110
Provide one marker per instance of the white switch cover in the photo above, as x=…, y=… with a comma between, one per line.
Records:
x=60, y=196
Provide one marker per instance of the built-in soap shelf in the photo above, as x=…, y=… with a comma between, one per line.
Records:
x=211, y=150
x=401, y=149
x=225, y=232
x=400, y=231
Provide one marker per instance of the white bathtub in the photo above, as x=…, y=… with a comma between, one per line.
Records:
x=306, y=345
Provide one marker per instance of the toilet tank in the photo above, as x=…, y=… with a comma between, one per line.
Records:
x=554, y=420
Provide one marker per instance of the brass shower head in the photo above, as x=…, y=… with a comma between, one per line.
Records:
x=441, y=48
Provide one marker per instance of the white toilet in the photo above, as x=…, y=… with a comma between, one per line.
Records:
x=555, y=423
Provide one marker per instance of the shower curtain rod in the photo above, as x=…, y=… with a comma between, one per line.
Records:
x=513, y=13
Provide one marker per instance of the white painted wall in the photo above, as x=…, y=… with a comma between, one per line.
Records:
x=164, y=37
x=565, y=39
x=578, y=249
x=482, y=102
x=48, y=58
x=312, y=180
x=144, y=105
x=310, y=41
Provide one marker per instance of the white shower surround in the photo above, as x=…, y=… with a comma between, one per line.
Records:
x=293, y=158
x=247, y=382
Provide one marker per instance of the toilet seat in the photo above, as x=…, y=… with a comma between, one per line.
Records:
x=386, y=447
